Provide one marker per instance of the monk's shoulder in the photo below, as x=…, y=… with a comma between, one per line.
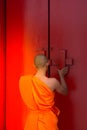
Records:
x=25, y=78
x=52, y=79
x=24, y=82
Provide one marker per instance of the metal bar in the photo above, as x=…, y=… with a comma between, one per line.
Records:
x=49, y=36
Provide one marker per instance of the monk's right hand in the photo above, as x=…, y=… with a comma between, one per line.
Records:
x=63, y=71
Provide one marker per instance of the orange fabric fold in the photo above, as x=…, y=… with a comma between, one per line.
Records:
x=43, y=115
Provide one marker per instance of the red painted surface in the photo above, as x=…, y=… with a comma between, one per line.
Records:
x=14, y=63
x=2, y=65
x=69, y=31
x=27, y=35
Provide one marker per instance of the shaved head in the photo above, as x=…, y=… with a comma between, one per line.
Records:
x=40, y=60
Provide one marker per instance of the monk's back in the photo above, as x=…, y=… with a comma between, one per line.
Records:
x=40, y=102
x=50, y=82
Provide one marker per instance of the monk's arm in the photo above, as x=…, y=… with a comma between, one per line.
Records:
x=61, y=86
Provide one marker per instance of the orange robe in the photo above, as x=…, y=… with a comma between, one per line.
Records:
x=43, y=115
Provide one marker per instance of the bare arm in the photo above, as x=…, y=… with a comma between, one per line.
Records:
x=61, y=86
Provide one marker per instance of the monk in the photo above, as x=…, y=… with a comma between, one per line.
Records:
x=38, y=92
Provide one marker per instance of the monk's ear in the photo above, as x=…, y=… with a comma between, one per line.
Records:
x=48, y=63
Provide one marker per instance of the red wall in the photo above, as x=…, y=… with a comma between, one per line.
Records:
x=26, y=35
x=2, y=66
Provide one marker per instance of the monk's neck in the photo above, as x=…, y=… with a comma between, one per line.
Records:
x=41, y=72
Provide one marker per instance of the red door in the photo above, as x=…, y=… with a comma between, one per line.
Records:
x=69, y=32
x=27, y=34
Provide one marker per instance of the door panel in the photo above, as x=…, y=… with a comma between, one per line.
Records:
x=26, y=36
x=69, y=32
x=35, y=31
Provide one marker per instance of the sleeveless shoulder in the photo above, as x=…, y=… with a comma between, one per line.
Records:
x=51, y=83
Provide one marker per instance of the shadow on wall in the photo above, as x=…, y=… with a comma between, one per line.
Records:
x=66, y=106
